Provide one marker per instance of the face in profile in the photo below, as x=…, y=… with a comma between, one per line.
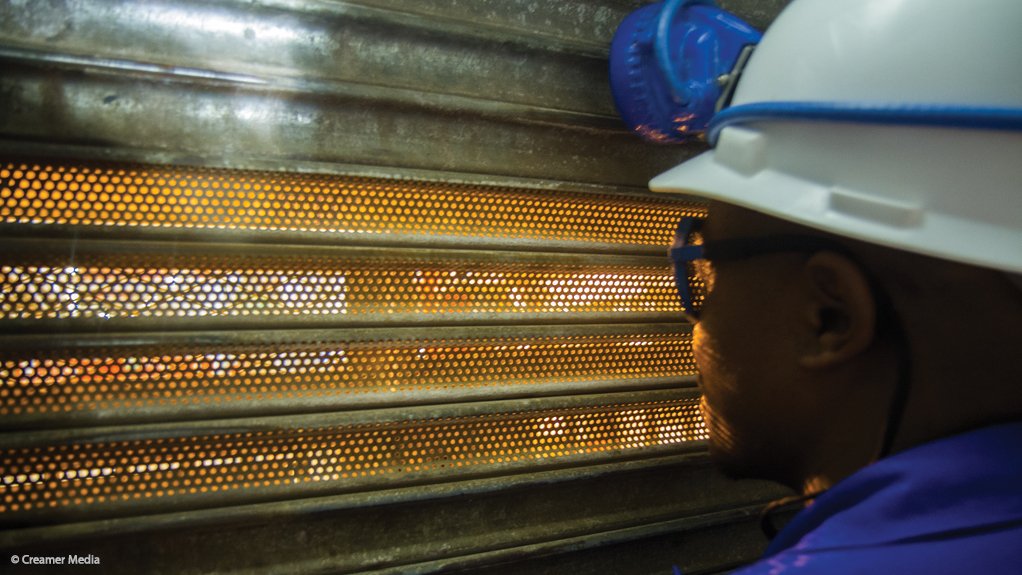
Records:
x=754, y=411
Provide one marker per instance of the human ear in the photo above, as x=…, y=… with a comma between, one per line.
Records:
x=840, y=309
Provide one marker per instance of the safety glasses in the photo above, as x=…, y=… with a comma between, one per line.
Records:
x=691, y=256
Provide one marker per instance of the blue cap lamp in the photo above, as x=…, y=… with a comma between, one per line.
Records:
x=673, y=64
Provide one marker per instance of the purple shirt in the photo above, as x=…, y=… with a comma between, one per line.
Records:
x=949, y=506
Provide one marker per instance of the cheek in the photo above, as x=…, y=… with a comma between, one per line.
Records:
x=729, y=408
x=738, y=400
x=717, y=381
x=715, y=364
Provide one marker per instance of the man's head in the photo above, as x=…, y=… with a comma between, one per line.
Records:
x=800, y=352
x=882, y=128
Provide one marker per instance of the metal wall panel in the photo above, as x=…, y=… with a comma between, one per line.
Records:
x=363, y=286
x=323, y=81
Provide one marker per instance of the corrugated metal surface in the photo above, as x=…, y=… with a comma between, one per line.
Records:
x=310, y=286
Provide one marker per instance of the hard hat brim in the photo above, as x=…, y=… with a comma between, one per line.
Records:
x=832, y=189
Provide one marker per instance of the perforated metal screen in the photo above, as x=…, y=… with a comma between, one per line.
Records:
x=108, y=286
x=352, y=295
x=185, y=197
x=89, y=475
x=178, y=375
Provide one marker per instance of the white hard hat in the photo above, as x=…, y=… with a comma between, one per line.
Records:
x=896, y=122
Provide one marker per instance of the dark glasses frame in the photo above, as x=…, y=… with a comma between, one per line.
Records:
x=732, y=250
